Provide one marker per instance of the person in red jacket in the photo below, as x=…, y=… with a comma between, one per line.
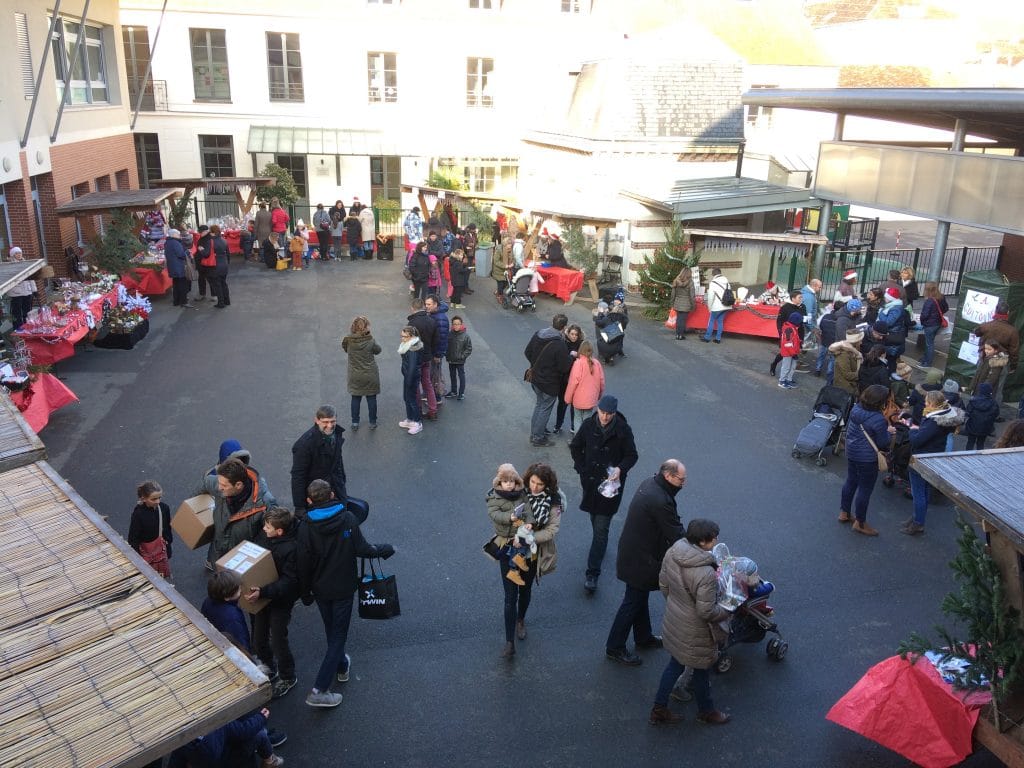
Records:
x=279, y=220
x=789, y=348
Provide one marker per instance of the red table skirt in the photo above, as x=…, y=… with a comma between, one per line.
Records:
x=151, y=282
x=46, y=394
x=47, y=350
x=233, y=237
x=560, y=282
x=740, y=319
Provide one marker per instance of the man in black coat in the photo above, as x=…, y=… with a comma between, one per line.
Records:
x=602, y=449
x=550, y=362
x=317, y=456
x=652, y=526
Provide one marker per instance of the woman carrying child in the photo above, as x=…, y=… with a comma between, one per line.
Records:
x=363, y=374
x=149, y=532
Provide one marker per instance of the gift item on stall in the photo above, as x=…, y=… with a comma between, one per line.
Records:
x=155, y=226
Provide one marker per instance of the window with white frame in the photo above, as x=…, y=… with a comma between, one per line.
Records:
x=217, y=156
x=757, y=115
x=575, y=6
x=210, y=64
x=89, y=68
x=382, y=77
x=284, y=66
x=478, y=82
x=485, y=5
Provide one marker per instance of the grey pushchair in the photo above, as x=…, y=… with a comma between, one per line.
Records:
x=828, y=421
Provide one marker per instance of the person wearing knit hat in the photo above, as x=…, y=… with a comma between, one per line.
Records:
x=982, y=412
x=602, y=449
x=900, y=384
x=846, y=290
x=21, y=294
x=893, y=292
x=789, y=349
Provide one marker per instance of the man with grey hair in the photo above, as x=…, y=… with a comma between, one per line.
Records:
x=316, y=455
x=177, y=258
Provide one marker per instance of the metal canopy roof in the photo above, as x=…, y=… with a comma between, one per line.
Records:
x=993, y=113
x=102, y=202
x=14, y=272
x=724, y=196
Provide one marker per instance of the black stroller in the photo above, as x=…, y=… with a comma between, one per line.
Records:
x=899, y=457
x=826, y=427
x=750, y=623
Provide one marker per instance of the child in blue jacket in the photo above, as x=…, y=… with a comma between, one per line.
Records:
x=982, y=412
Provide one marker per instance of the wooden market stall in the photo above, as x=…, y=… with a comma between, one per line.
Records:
x=104, y=663
x=987, y=484
x=14, y=272
x=245, y=188
x=19, y=445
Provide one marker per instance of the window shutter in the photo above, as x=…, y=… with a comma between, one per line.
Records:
x=24, y=54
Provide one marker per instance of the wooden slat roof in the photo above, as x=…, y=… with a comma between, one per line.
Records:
x=227, y=181
x=986, y=483
x=103, y=202
x=13, y=272
x=102, y=662
x=19, y=445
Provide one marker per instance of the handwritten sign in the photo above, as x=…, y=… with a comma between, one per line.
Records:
x=979, y=307
x=969, y=349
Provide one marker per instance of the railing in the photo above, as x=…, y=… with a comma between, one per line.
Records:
x=154, y=98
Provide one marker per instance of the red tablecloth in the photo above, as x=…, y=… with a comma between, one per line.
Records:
x=45, y=395
x=741, y=319
x=151, y=282
x=911, y=710
x=232, y=236
x=560, y=282
x=47, y=349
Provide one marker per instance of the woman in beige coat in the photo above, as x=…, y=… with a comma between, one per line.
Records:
x=682, y=300
x=692, y=629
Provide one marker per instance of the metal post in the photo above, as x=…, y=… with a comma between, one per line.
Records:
x=42, y=69
x=933, y=271
x=71, y=68
x=960, y=272
x=149, y=69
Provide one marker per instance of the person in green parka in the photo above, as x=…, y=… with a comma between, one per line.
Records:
x=363, y=375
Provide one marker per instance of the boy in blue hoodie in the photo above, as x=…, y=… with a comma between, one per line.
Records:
x=329, y=541
x=270, y=626
x=982, y=412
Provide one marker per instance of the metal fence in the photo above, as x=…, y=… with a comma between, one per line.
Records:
x=873, y=267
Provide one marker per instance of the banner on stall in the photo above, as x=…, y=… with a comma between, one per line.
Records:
x=979, y=307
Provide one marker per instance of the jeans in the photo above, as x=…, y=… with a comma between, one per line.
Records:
x=355, y=250
x=975, y=443
x=930, y=332
x=371, y=406
x=599, y=525
x=579, y=415
x=410, y=393
x=700, y=683
x=716, y=318
x=368, y=249
x=427, y=385
x=270, y=640
x=457, y=371
x=541, y=413
x=860, y=479
x=786, y=368
x=920, y=489
x=635, y=614
x=337, y=615
x=517, y=599
x=337, y=247
x=823, y=358
x=681, y=318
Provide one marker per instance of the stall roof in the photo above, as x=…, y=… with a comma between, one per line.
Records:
x=458, y=194
x=201, y=182
x=19, y=445
x=14, y=272
x=104, y=663
x=724, y=196
x=981, y=482
x=103, y=202
x=777, y=237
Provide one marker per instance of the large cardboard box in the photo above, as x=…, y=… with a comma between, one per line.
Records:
x=254, y=566
x=193, y=522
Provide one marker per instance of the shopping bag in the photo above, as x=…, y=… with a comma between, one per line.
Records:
x=437, y=379
x=611, y=332
x=378, y=593
x=282, y=264
x=671, y=322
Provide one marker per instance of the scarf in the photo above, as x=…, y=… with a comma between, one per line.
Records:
x=405, y=346
x=540, y=504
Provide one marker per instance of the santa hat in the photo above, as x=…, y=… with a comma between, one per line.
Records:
x=850, y=274
x=554, y=236
x=769, y=285
x=893, y=292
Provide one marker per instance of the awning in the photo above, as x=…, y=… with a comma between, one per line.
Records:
x=14, y=272
x=104, y=202
x=445, y=140
x=729, y=196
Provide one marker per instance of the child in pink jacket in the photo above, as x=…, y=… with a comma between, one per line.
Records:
x=586, y=383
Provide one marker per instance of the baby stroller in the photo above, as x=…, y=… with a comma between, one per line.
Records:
x=826, y=427
x=518, y=291
x=899, y=457
x=740, y=585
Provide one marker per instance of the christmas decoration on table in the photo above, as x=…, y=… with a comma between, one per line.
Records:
x=155, y=227
x=102, y=282
x=134, y=302
x=122, y=319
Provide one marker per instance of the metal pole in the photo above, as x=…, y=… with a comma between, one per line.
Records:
x=71, y=68
x=42, y=70
x=149, y=68
x=826, y=209
x=933, y=271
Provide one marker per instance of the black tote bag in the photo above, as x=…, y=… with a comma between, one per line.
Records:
x=378, y=594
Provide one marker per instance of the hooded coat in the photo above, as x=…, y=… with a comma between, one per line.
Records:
x=231, y=529
x=363, y=374
x=990, y=369
x=430, y=337
x=982, y=413
x=652, y=526
x=930, y=437
x=329, y=541
x=549, y=360
x=690, y=629
x=1003, y=333
x=683, y=293
x=440, y=318
x=594, y=449
x=848, y=359
x=316, y=458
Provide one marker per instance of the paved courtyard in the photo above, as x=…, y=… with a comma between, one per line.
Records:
x=429, y=688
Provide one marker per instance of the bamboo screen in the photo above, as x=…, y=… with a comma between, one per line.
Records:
x=19, y=445
x=98, y=665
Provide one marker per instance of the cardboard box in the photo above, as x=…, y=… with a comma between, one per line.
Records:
x=193, y=522
x=254, y=566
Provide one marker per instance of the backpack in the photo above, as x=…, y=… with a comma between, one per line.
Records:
x=728, y=299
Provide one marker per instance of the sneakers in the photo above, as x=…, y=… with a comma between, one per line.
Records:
x=461, y=397
x=272, y=762
x=405, y=423
x=282, y=686
x=911, y=528
x=325, y=699
x=590, y=584
x=416, y=427
x=450, y=395
x=624, y=656
x=355, y=426
x=373, y=425
x=343, y=676
x=782, y=385
x=277, y=737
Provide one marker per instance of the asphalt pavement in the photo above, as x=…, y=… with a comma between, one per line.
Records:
x=429, y=688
